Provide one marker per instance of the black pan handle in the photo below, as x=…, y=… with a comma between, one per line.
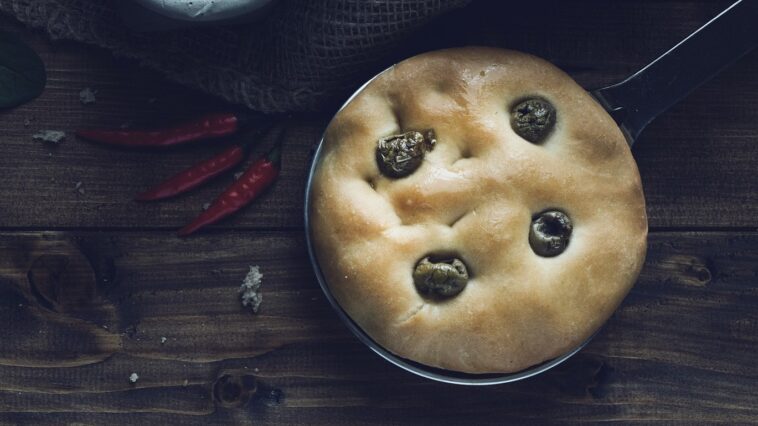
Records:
x=636, y=101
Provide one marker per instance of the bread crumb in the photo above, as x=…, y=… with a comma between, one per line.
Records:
x=238, y=175
x=206, y=206
x=250, y=289
x=79, y=187
x=27, y=122
x=52, y=136
x=133, y=378
x=163, y=340
x=87, y=96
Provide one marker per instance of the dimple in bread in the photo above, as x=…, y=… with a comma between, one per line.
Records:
x=540, y=202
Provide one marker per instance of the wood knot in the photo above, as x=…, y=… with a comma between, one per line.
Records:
x=601, y=380
x=582, y=377
x=62, y=283
x=687, y=270
x=51, y=308
x=745, y=328
x=101, y=253
x=273, y=397
x=234, y=390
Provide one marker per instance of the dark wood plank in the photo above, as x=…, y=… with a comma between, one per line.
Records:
x=697, y=161
x=681, y=347
x=134, y=419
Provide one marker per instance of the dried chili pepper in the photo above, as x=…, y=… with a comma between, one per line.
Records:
x=195, y=175
x=259, y=176
x=214, y=125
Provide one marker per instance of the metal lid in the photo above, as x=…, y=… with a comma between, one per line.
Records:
x=203, y=10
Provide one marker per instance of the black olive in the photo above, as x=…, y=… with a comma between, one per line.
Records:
x=533, y=119
x=400, y=155
x=550, y=233
x=440, y=279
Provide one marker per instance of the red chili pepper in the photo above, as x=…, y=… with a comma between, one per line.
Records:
x=259, y=176
x=206, y=127
x=195, y=175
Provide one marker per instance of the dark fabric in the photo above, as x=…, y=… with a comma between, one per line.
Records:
x=302, y=55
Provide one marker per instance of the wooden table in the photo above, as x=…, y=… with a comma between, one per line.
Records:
x=95, y=287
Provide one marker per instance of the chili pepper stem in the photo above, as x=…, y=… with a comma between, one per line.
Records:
x=274, y=156
x=257, y=178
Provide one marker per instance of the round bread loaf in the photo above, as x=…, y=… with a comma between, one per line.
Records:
x=509, y=150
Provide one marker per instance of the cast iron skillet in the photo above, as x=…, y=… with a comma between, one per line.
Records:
x=633, y=103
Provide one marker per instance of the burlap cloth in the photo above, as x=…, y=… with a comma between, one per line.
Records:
x=304, y=55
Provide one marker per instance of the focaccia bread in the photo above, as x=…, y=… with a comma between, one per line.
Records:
x=476, y=210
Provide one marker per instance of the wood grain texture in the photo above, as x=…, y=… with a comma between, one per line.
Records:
x=681, y=347
x=697, y=161
x=95, y=287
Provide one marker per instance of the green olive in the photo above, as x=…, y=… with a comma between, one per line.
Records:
x=400, y=155
x=440, y=279
x=550, y=233
x=533, y=119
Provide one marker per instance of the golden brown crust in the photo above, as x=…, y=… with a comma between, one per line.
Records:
x=475, y=195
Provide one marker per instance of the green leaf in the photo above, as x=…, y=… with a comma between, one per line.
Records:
x=22, y=73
